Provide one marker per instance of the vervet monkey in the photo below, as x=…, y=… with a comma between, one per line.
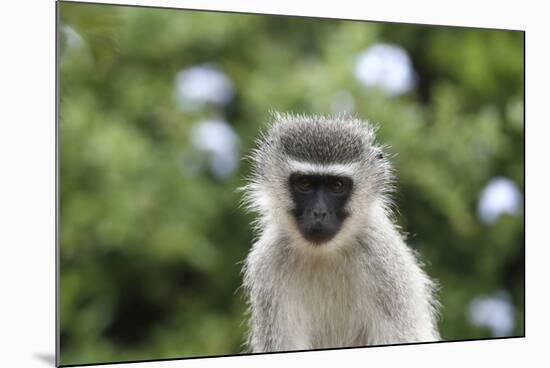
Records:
x=329, y=267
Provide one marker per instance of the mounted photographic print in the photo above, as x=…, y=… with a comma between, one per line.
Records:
x=249, y=183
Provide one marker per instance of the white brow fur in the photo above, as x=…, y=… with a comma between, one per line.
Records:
x=332, y=169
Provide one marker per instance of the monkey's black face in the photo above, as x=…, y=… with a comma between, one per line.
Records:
x=319, y=204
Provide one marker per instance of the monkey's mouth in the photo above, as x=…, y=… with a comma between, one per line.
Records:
x=318, y=233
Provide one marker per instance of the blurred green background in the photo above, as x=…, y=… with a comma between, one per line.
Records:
x=157, y=108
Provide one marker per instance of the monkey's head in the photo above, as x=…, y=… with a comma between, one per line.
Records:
x=318, y=178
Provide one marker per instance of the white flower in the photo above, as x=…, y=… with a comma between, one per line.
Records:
x=495, y=312
x=200, y=85
x=219, y=141
x=500, y=196
x=72, y=38
x=387, y=67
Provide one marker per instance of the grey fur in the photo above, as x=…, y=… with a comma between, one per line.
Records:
x=364, y=287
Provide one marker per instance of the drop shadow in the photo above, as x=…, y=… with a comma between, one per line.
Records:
x=46, y=358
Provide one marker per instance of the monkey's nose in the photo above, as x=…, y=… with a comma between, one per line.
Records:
x=319, y=215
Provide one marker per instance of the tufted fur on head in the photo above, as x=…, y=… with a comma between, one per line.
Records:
x=365, y=286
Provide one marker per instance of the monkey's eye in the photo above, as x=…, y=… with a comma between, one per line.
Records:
x=303, y=184
x=337, y=186
x=380, y=156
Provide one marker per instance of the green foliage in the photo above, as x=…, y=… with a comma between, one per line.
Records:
x=150, y=254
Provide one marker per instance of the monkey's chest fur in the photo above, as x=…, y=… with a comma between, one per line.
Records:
x=309, y=303
x=324, y=306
